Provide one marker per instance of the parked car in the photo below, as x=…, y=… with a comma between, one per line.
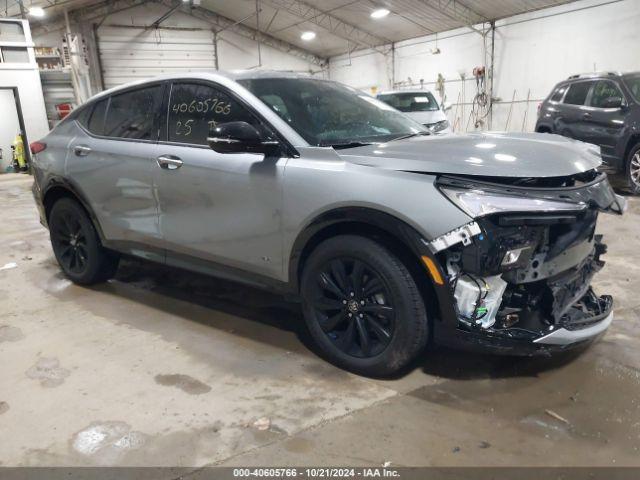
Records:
x=420, y=105
x=390, y=236
x=603, y=109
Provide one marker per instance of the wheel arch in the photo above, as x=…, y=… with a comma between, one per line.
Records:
x=632, y=142
x=394, y=234
x=60, y=188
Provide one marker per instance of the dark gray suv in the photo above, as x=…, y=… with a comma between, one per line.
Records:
x=390, y=236
x=603, y=109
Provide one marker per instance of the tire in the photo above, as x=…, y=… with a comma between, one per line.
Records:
x=385, y=299
x=632, y=170
x=76, y=244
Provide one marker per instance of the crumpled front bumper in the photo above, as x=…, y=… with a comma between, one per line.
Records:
x=547, y=304
x=560, y=338
x=564, y=336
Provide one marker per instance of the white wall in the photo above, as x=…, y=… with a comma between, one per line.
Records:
x=31, y=99
x=26, y=78
x=183, y=44
x=10, y=127
x=532, y=53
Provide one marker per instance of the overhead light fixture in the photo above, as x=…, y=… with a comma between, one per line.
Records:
x=36, y=11
x=306, y=36
x=380, y=13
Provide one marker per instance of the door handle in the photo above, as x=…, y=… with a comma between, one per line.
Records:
x=169, y=162
x=82, y=150
x=586, y=115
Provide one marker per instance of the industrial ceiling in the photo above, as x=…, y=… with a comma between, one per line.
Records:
x=339, y=25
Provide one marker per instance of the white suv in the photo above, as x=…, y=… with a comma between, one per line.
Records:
x=421, y=106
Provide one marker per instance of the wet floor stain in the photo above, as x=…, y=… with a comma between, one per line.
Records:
x=185, y=383
x=107, y=442
x=10, y=334
x=48, y=371
x=298, y=445
x=4, y=407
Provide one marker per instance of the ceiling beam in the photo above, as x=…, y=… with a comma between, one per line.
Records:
x=99, y=10
x=220, y=22
x=329, y=22
x=455, y=10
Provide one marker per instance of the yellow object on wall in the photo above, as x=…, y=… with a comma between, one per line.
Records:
x=18, y=152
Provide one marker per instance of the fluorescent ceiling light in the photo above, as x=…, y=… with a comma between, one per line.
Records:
x=380, y=13
x=308, y=36
x=36, y=12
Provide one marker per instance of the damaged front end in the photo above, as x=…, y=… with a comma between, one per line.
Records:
x=520, y=273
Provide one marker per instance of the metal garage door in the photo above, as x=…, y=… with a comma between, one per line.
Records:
x=129, y=53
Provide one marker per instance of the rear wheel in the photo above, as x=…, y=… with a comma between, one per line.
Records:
x=76, y=244
x=362, y=306
x=633, y=170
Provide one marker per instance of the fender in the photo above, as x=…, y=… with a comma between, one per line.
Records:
x=57, y=182
x=387, y=223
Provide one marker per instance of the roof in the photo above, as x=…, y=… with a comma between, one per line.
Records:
x=222, y=77
x=340, y=25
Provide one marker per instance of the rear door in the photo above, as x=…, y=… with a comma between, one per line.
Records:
x=112, y=161
x=605, y=125
x=572, y=111
x=223, y=208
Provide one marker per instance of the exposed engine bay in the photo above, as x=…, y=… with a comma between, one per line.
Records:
x=526, y=273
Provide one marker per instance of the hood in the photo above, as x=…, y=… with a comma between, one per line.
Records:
x=482, y=154
x=427, y=117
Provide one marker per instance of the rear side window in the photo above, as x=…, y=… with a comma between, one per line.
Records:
x=82, y=116
x=134, y=114
x=557, y=95
x=603, y=90
x=95, y=123
x=196, y=108
x=577, y=93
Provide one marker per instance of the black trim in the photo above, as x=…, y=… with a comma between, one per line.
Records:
x=198, y=265
x=394, y=227
x=66, y=184
x=91, y=104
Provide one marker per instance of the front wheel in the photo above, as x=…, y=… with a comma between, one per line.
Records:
x=76, y=244
x=633, y=170
x=362, y=306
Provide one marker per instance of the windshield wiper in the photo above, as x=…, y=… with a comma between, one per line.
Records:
x=339, y=146
x=416, y=134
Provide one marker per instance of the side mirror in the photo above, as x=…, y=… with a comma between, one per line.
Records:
x=612, y=102
x=446, y=106
x=239, y=137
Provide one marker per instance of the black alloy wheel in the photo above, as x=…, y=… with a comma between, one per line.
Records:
x=362, y=306
x=70, y=243
x=76, y=244
x=352, y=306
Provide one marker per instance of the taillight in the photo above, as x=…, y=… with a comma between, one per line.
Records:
x=37, y=147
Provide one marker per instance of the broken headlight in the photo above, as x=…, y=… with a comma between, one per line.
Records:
x=478, y=203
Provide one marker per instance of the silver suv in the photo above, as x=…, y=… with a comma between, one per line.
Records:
x=391, y=237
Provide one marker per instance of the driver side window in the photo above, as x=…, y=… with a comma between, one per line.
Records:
x=602, y=91
x=195, y=108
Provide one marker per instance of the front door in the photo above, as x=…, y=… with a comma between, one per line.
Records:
x=223, y=208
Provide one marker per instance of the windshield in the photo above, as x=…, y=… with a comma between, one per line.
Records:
x=633, y=84
x=411, y=101
x=330, y=114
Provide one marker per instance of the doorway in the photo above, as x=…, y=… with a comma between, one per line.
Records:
x=12, y=124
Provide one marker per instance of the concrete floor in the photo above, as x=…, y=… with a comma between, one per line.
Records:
x=159, y=367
